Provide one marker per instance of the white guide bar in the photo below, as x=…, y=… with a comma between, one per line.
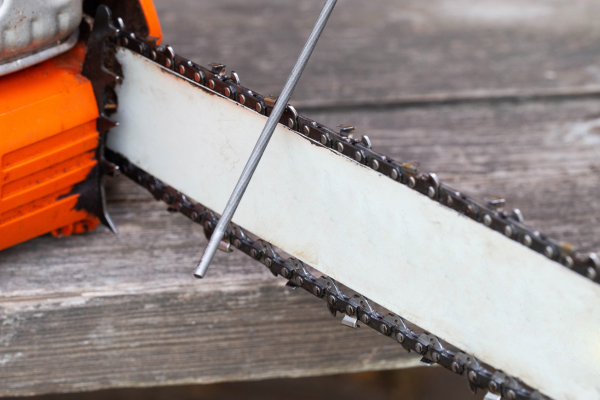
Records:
x=486, y=294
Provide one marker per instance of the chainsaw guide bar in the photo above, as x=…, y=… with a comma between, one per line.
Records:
x=356, y=308
x=492, y=214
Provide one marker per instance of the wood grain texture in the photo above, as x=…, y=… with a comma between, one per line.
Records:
x=100, y=311
x=391, y=48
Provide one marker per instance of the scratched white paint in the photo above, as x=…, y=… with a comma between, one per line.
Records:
x=473, y=287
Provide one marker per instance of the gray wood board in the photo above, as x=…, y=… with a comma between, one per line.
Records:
x=391, y=49
x=98, y=311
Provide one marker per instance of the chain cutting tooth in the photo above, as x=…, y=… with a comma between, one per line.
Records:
x=496, y=203
x=346, y=130
x=235, y=77
x=366, y=141
x=517, y=215
x=225, y=246
x=292, y=285
x=350, y=322
x=217, y=68
x=433, y=189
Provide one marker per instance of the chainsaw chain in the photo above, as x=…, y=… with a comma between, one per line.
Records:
x=356, y=307
x=492, y=214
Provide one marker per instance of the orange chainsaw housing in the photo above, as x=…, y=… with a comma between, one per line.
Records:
x=48, y=145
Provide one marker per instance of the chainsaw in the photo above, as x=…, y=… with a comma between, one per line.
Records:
x=89, y=91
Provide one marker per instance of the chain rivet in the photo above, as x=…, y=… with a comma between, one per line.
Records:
x=258, y=107
x=493, y=386
x=168, y=62
x=365, y=319
x=431, y=192
x=375, y=165
x=394, y=174
x=400, y=337
x=510, y=394
x=527, y=241
x=591, y=273
x=317, y=291
x=455, y=367
x=153, y=55
x=181, y=69
x=211, y=84
x=299, y=281
x=227, y=92
x=268, y=262
x=449, y=201
x=470, y=210
x=549, y=252
x=508, y=230
x=358, y=156
x=350, y=310
x=306, y=130
x=419, y=348
x=569, y=261
x=472, y=376
x=436, y=357
x=340, y=147
x=242, y=99
x=487, y=220
x=332, y=300
x=285, y=273
x=412, y=182
x=291, y=123
x=383, y=328
x=323, y=139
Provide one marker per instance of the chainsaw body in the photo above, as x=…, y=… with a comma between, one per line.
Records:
x=50, y=169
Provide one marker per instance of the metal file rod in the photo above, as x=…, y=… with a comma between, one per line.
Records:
x=263, y=140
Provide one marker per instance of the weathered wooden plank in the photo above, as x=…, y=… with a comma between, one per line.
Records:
x=407, y=384
x=98, y=310
x=393, y=49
